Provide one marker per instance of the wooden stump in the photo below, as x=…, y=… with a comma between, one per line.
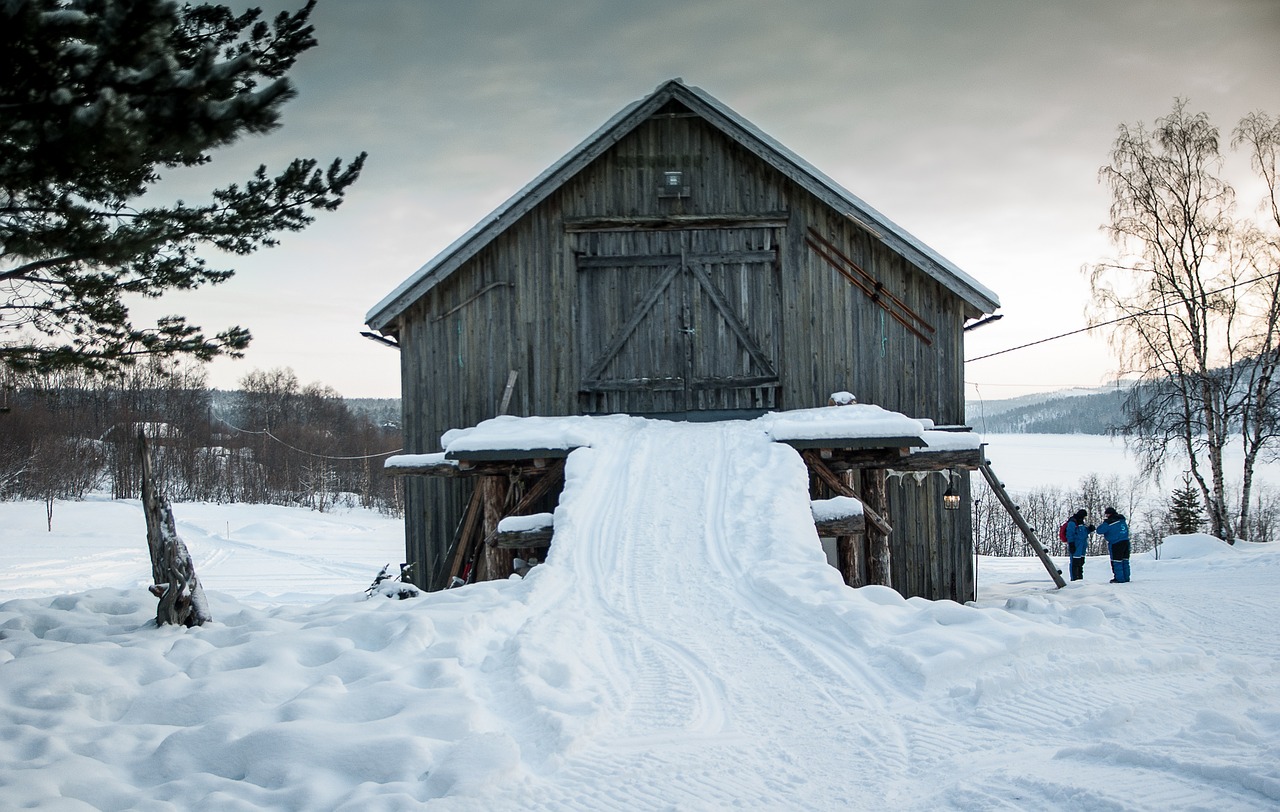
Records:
x=173, y=576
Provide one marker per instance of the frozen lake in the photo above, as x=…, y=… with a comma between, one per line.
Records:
x=1029, y=461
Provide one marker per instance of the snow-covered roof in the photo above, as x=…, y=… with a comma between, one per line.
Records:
x=824, y=425
x=735, y=127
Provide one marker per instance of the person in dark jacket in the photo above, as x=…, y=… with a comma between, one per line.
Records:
x=1078, y=542
x=1115, y=530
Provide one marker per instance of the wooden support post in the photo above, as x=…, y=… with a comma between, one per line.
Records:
x=849, y=559
x=997, y=487
x=494, y=563
x=875, y=501
x=849, y=556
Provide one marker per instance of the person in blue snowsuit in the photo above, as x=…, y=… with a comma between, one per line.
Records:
x=1078, y=542
x=1115, y=530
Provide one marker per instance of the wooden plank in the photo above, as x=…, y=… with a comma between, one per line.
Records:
x=623, y=261
x=506, y=393
x=926, y=460
x=843, y=526
x=674, y=222
x=539, y=538
x=585, y=263
x=917, y=461
x=464, y=539
x=439, y=469
x=735, y=383
x=634, y=385
x=997, y=487
x=899, y=445
x=507, y=454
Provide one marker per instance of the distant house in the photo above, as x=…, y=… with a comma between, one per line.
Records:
x=681, y=263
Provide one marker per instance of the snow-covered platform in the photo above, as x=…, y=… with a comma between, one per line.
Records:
x=855, y=435
x=848, y=451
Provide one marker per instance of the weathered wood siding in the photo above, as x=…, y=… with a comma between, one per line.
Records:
x=535, y=301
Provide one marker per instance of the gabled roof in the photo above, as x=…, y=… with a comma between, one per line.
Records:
x=732, y=125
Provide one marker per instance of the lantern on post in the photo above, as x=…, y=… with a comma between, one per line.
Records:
x=950, y=499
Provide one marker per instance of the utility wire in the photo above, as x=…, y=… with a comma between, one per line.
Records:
x=266, y=433
x=1160, y=309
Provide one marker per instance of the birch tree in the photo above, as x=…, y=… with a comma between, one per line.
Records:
x=1194, y=288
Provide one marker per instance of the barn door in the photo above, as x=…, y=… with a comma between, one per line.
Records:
x=679, y=323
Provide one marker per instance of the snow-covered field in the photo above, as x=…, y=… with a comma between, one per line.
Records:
x=685, y=647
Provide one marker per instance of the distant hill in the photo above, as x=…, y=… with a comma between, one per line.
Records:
x=1070, y=411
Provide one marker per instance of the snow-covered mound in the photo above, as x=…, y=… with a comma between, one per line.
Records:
x=1197, y=545
x=684, y=646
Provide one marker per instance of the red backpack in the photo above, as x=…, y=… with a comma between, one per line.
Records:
x=1062, y=532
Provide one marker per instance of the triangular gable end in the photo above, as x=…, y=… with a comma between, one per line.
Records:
x=735, y=127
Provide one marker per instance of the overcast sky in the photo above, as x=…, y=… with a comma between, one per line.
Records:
x=977, y=126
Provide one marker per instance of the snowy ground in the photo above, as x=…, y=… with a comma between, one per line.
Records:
x=685, y=647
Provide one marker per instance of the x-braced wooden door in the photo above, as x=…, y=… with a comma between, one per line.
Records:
x=679, y=322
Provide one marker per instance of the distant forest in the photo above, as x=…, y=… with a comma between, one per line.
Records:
x=1053, y=413
x=275, y=440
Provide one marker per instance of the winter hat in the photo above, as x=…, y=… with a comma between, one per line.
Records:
x=1080, y=514
x=1109, y=511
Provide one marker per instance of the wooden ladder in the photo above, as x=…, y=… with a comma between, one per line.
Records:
x=998, y=488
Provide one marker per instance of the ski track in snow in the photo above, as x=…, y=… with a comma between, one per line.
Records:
x=668, y=579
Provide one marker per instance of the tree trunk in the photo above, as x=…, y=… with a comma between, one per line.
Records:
x=174, y=581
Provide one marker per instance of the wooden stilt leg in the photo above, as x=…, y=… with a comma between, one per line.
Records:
x=494, y=562
x=875, y=500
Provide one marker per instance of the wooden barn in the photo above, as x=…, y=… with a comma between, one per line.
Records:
x=681, y=263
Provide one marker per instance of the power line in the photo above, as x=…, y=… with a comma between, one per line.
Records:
x=1153, y=311
x=266, y=433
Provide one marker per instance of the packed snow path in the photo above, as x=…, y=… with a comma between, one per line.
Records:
x=703, y=673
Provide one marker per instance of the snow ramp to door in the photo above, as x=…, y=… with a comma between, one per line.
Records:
x=687, y=639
